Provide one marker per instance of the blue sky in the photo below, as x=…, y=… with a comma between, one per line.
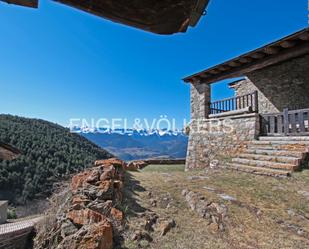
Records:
x=59, y=63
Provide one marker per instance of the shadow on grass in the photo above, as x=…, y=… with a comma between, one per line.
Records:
x=130, y=205
x=305, y=164
x=131, y=192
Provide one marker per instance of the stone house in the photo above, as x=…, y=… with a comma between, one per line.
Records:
x=264, y=128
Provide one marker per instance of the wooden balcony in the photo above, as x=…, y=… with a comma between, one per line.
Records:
x=286, y=123
x=247, y=102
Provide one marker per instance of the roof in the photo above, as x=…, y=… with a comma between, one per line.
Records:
x=26, y=3
x=286, y=48
x=235, y=82
x=161, y=17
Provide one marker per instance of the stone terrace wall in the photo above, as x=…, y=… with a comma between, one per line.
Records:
x=284, y=85
x=219, y=142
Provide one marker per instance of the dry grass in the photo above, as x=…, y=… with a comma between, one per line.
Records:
x=269, y=213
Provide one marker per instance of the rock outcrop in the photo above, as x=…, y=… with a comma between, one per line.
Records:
x=88, y=218
x=214, y=212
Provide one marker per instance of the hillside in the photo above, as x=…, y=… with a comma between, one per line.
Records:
x=49, y=153
x=140, y=144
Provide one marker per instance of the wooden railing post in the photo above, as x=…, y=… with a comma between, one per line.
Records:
x=286, y=120
x=256, y=102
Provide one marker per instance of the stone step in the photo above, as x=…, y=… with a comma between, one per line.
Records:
x=271, y=158
x=279, y=142
x=289, y=147
x=266, y=164
x=259, y=170
x=274, y=152
x=285, y=138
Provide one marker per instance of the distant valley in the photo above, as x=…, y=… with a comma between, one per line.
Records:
x=133, y=144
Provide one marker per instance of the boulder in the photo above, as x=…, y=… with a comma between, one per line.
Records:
x=101, y=207
x=79, y=180
x=79, y=202
x=67, y=229
x=85, y=216
x=136, y=165
x=214, y=212
x=105, y=190
x=98, y=236
x=93, y=176
x=110, y=162
x=166, y=225
x=108, y=173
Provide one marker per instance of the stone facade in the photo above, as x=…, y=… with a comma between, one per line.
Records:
x=284, y=85
x=200, y=101
x=219, y=139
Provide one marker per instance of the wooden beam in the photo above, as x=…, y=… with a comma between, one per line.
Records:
x=271, y=50
x=224, y=68
x=288, y=44
x=234, y=64
x=304, y=37
x=26, y=3
x=214, y=71
x=257, y=55
x=255, y=65
x=245, y=60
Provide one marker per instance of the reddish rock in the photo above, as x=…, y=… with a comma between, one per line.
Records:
x=108, y=173
x=106, y=185
x=85, y=216
x=99, y=236
x=117, y=214
x=79, y=180
x=93, y=176
x=77, y=199
x=79, y=202
x=131, y=167
x=105, y=190
x=166, y=225
x=94, y=193
x=111, y=162
x=136, y=165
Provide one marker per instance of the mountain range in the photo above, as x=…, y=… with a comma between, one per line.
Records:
x=133, y=144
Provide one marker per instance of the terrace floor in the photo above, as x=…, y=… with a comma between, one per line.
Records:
x=263, y=212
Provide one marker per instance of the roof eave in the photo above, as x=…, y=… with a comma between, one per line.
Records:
x=276, y=52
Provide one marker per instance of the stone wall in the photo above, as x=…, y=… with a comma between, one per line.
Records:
x=284, y=85
x=219, y=139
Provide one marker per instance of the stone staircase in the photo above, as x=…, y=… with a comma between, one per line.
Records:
x=272, y=156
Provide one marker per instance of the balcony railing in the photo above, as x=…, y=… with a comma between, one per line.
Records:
x=294, y=122
x=249, y=101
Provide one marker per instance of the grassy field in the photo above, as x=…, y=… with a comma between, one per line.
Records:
x=161, y=168
x=268, y=212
